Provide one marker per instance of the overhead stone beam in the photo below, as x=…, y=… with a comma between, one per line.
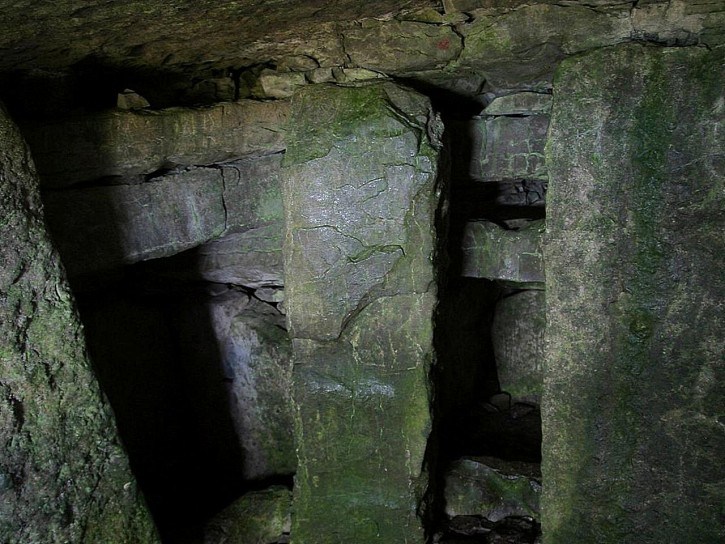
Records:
x=99, y=228
x=133, y=144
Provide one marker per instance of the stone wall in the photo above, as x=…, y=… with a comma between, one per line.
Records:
x=63, y=474
x=361, y=193
x=634, y=375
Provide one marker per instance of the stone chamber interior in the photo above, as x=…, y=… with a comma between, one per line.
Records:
x=193, y=353
x=313, y=285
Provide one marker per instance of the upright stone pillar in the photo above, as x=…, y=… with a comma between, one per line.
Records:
x=634, y=380
x=360, y=196
x=63, y=474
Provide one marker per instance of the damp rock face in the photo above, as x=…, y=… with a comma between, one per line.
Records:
x=254, y=363
x=135, y=143
x=258, y=517
x=474, y=488
x=63, y=474
x=251, y=258
x=633, y=391
x=508, y=146
x=513, y=257
x=360, y=195
x=517, y=334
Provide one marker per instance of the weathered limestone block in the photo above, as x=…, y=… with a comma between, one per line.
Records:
x=360, y=202
x=63, y=474
x=634, y=385
x=525, y=103
x=473, y=488
x=252, y=258
x=399, y=47
x=508, y=147
x=256, y=359
x=518, y=343
x=128, y=144
x=101, y=227
x=258, y=517
x=679, y=22
x=526, y=44
x=273, y=84
x=510, y=256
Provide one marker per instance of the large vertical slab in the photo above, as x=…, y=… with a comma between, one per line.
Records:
x=634, y=379
x=63, y=474
x=360, y=199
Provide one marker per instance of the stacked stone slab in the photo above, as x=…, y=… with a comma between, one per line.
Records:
x=360, y=198
x=63, y=474
x=99, y=228
x=512, y=257
x=129, y=144
x=634, y=380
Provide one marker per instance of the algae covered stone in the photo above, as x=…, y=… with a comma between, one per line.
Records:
x=474, y=488
x=258, y=517
x=361, y=194
x=513, y=257
x=63, y=474
x=634, y=380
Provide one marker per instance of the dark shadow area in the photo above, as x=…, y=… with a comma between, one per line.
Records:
x=473, y=417
x=152, y=350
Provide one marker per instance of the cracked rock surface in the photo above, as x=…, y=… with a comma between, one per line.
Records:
x=360, y=191
x=63, y=474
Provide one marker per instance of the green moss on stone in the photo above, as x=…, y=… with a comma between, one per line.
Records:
x=629, y=135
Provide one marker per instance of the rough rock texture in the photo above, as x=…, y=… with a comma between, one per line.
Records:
x=256, y=362
x=508, y=147
x=63, y=474
x=252, y=258
x=475, y=489
x=183, y=32
x=199, y=379
x=130, y=144
x=399, y=47
x=360, y=202
x=101, y=227
x=526, y=43
x=518, y=342
x=526, y=103
x=259, y=517
x=511, y=256
x=633, y=393
x=184, y=52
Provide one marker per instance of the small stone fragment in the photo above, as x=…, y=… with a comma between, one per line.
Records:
x=297, y=63
x=273, y=84
x=475, y=489
x=131, y=100
x=349, y=75
x=320, y=75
